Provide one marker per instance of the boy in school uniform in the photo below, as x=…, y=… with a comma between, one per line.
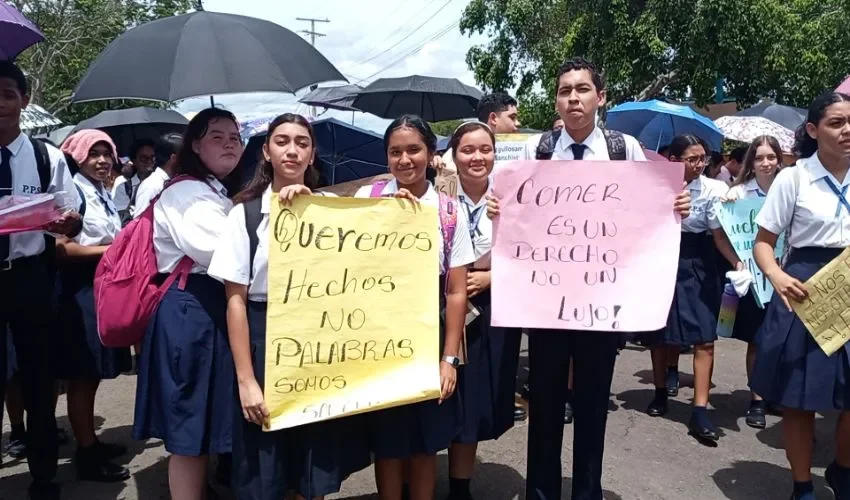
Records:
x=26, y=287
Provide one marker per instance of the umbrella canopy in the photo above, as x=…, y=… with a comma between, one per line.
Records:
x=656, y=123
x=786, y=116
x=203, y=53
x=58, y=136
x=125, y=126
x=844, y=88
x=747, y=128
x=16, y=32
x=433, y=99
x=34, y=117
x=339, y=98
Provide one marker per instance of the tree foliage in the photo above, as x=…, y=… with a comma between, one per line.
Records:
x=788, y=50
x=76, y=31
x=445, y=128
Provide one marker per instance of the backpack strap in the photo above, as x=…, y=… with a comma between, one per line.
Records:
x=378, y=188
x=82, y=201
x=42, y=161
x=616, y=145
x=448, y=224
x=546, y=146
x=253, y=217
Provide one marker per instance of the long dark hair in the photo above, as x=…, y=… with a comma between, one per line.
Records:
x=416, y=123
x=466, y=128
x=681, y=143
x=188, y=162
x=805, y=145
x=749, y=171
x=264, y=173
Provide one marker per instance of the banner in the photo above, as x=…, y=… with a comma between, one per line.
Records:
x=586, y=245
x=826, y=311
x=511, y=147
x=738, y=219
x=446, y=182
x=353, y=308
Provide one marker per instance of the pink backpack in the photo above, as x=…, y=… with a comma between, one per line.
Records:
x=448, y=220
x=126, y=292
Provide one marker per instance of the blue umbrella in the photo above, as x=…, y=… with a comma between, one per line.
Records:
x=656, y=123
x=16, y=32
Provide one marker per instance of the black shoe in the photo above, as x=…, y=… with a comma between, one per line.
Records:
x=44, y=491
x=839, y=485
x=671, y=382
x=110, y=451
x=17, y=447
x=568, y=413
x=520, y=414
x=658, y=407
x=703, y=429
x=756, y=416
x=91, y=466
x=525, y=391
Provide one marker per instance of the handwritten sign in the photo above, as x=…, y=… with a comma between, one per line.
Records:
x=826, y=311
x=738, y=219
x=511, y=147
x=585, y=245
x=446, y=183
x=353, y=311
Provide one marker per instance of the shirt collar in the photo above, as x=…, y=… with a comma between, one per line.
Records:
x=86, y=185
x=461, y=195
x=430, y=194
x=817, y=171
x=696, y=184
x=265, y=203
x=591, y=143
x=753, y=185
x=217, y=185
x=15, y=146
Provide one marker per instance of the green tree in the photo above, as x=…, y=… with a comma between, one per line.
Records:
x=445, y=128
x=76, y=31
x=786, y=50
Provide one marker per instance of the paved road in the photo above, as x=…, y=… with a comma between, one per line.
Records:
x=646, y=458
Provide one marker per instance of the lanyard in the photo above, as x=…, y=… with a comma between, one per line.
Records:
x=840, y=194
x=474, y=216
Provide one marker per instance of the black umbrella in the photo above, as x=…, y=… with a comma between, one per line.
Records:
x=787, y=116
x=125, y=126
x=339, y=98
x=203, y=53
x=434, y=99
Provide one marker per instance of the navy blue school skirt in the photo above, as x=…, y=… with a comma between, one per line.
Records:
x=185, y=389
x=696, y=300
x=313, y=459
x=486, y=383
x=791, y=369
x=82, y=356
x=748, y=319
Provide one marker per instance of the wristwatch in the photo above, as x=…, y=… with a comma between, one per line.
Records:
x=452, y=360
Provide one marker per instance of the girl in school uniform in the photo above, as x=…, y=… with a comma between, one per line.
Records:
x=312, y=460
x=85, y=361
x=808, y=203
x=761, y=164
x=406, y=439
x=693, y=314
x=486, y=381
x=185, y=387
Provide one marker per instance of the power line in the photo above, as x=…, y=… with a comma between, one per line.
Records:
x=312, y=31
x=401, y=27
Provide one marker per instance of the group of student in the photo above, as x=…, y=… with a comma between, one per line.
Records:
x=201, y=368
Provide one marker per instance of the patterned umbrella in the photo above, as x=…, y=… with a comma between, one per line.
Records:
x=747, y=128
x=34, y=117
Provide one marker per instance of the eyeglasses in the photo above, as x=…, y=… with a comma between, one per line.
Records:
x=694, y=160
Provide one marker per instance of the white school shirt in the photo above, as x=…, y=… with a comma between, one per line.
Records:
x=119, y=191
x=25, y=181
x=101, y=222
x=480, y=226
x=148, y=190
x=812, y=212
x=704, y=193
x=233, y=255
x=597, y=147
x=462, y=253
x=747, y=190
x=189, y=219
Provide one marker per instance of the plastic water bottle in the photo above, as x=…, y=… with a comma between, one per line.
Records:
x=728, y=310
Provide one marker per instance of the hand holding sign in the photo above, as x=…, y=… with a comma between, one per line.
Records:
x=826, y=309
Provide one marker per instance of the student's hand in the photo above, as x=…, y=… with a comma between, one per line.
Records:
x=288, y=194
x=253, y=405
x=739, y=266
x=682, y=205
x=788, y=288
x=477, y=282
x=69, y=225
x=492, y=206
x=404, y=194
x=729, y=197
x=448, y=379
x=438, y=163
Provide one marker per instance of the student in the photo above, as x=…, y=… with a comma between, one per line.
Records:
x=579, y=94
x=27, y=167
x=499, y=111
x=732, y=168
x=808, y=204
x=143, y=159
x=693, y=315
x=407, y=438
x=761, y=164
x=166, y=159
x=486, y=381
x=86, y=362
x=185, y=386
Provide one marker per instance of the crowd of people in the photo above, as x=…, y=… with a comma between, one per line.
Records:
x=206, y=342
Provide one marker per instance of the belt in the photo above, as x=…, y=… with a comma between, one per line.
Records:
x=8, y=265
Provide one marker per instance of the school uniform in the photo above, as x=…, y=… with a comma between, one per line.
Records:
x=122, y=191
x=791, y=370
x=185, y=388
x=148, y=189
x=486, y=382
x=593, y=355
x=26, y=307
x=749, y=316
x=426, y=427
x=696, y=299
x=84, y=357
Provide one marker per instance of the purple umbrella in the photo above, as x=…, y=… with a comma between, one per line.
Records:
x=16, y=32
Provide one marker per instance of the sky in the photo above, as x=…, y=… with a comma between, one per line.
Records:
x=364, y=39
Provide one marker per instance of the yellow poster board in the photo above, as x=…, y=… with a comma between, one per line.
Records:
x=826, y=311
x=353, y=308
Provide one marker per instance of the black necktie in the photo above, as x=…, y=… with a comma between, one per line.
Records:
x=578, y=151
x=5, y=189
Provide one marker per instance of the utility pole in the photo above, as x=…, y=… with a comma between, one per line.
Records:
x=313, y=34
